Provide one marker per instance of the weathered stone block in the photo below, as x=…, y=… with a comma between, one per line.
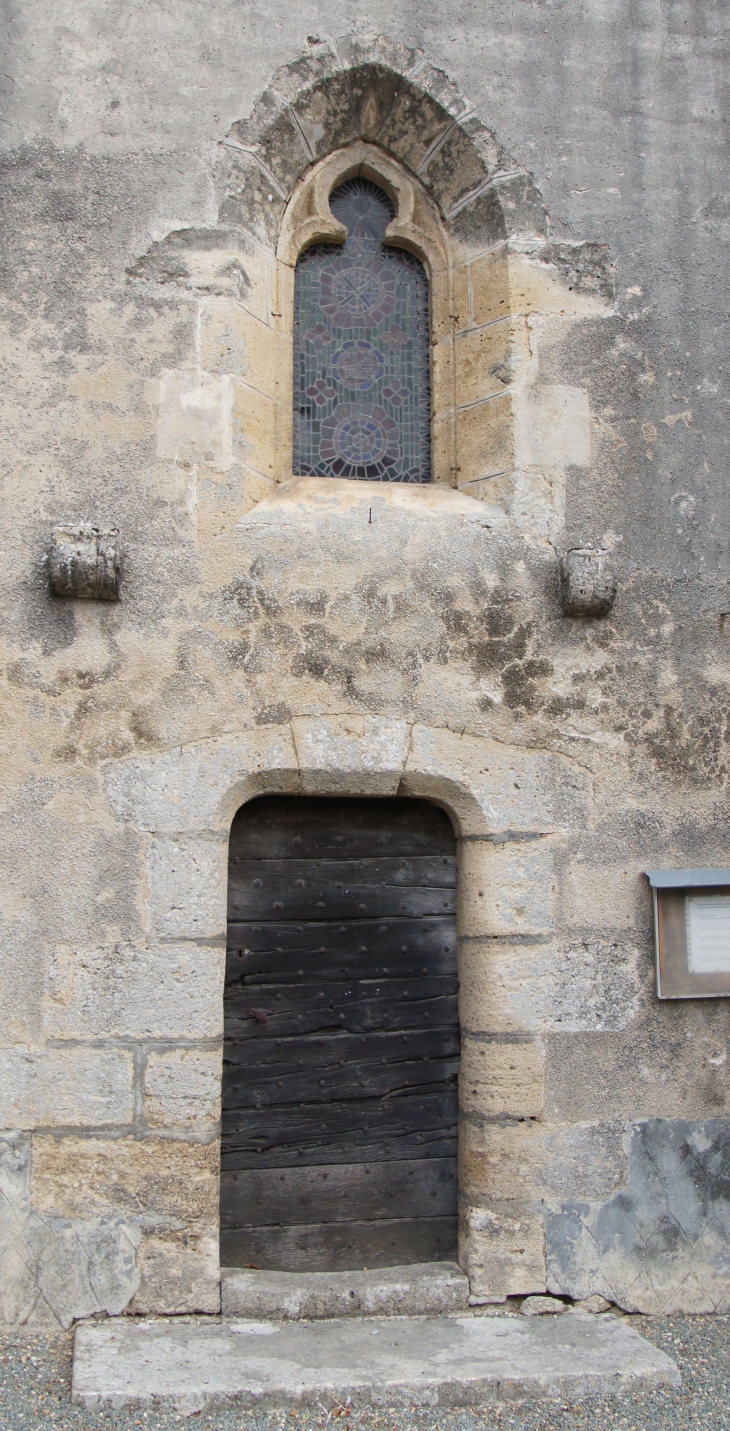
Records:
x=553, y=427
x=484, y=993
x=480, y=223
x=535, y=1160
x=161, y=1181
x=248, y=199
x=485, y=143
x=589, y=582
x=542, y=1307
x=576, y=984
x=447, y=319
x=494, y=788
x=489, y=281
x=255, y=428
x=164, y=992
x=488, y=359
x=411, y=1363
x=182, y=1088
x=21, y=1304
x=503, y=1251
x=187, y=880
x=209, y=261
x=537, y=287
x=344, y=754
x=584, y=1161
x=505, y=888
x=422, y=1289
x=415, y=122
x=81, y=1086
x=53, y=1270
x=501, y=1079
x=455, y=170
x=15, y=1158
x=328, y=123
x=271, y=134
x=485, y=438
x=195, y=787
x=651, y=1069
x=85, y=561
x=499, y=1161
x=437, y=83
x=379, y=50
x=313, y=70
x=602, y=896
x=22, y=981
x=86, y=1267
x=232, y=340
x=178, y=1273
x=195, y=419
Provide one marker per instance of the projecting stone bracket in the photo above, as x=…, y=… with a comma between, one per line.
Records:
x=588, y=582
x=85, y=561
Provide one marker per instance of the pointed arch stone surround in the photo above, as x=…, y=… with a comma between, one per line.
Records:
x=500, y=288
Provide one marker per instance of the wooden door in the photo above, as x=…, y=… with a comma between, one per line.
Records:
x=341, y=1035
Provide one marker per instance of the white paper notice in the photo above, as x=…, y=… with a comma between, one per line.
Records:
x=708, y=933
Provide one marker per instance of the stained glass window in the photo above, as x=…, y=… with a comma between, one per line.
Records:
x=362, y=393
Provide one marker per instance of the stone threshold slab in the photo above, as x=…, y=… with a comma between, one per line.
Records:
x=405, y=1361
x=421, y=1289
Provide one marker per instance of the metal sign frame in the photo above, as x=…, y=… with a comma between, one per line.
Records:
x=670, y=890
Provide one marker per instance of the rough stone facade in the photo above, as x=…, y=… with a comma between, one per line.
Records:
x=161, y=175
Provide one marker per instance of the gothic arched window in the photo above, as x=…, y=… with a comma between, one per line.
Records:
x=362, y=392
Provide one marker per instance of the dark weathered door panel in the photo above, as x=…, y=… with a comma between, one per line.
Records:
x=342, y=1043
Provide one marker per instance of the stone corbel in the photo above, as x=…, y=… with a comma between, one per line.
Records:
x=588, y=582
x=85, y=562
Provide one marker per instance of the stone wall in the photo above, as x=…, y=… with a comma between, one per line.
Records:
x=295, y=635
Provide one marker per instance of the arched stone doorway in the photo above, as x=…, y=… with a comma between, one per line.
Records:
x=341, y=1052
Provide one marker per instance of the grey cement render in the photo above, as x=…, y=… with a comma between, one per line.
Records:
x=423, y=1289
x=616, y=733
x=403, y=1361
x=666, y=1231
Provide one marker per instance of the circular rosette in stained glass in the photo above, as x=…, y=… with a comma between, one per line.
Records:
x=359, y=441
x=357, y=292
x=357, y=365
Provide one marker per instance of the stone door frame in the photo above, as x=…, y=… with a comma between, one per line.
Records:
x=181, y=803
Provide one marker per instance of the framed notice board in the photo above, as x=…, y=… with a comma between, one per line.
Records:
x=692, y=933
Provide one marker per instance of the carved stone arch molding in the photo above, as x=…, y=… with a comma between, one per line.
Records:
x=499, y=286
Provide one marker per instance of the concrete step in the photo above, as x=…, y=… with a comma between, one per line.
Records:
x=464, y=1360
x=424, y=1289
